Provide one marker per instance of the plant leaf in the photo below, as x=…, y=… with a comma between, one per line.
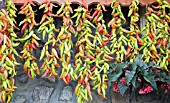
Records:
x=122, y=88
x=151, y=79
x=129, y=76
x=134, y=81
x=150, y=64
x=114, y=76
x=139, y=61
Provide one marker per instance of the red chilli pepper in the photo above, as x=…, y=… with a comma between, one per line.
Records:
x=79, y=28
x=139, y=40
x=30, y=1
x=94, y=14
x=92, y=69
x=81, y=80
x=98, y=14
x=88, y=88
x=89, y=17
x=104, y=43
x=45, y=74
x=151, y=36
x=8, y=33
x=70, y=9
x=51, y=14
x=33, y=46
x=164, y=43
x=100, y=30
x=72, y=29
x=50, y=7
x=168, y=59
x=85, y=4
x=68, y=79
x=24, y=5
x=90, y=57
x=10, y=56
x=77, y=47
x=23, y=27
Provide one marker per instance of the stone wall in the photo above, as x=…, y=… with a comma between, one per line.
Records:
x=47, y=90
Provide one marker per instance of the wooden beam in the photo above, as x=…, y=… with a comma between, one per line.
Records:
x=105, y=2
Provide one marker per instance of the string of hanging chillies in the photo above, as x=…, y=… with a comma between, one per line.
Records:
x=84, y=55
x=65, y=41
x=48, y=54
x=7, y=53
x=30, y=39
x=11, y=10
x=156, y=40
x=101, y=53
x=132, y=50
x=118, y=40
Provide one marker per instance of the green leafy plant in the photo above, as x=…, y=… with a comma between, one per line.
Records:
x=145, y=77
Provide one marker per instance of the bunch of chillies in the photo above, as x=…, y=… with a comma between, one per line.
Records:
x=84, y=54
x=48, y=54
x=99, y=66
x=7, y=54
x=133, y=48
x=30, y=39
x=65, y=41
x=156, y=38
x=118, y=40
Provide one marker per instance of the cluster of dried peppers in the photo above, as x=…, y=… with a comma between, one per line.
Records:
x=65, y=41
x=29, y=38
x=7, y=52
x=133, y=45
x=84, y=55
x=101, y=52
x=156, y=40
x=118, y=40
x=49, y=53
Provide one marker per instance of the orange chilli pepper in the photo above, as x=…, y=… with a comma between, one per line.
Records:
x=2, y=70
x=9, y=90
x=29, y=75
x=155, y=53
x=31, y=26
x=5, y=74
x=128, y=50
x=90, y=57
x=13, y=82
x=43, y=18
